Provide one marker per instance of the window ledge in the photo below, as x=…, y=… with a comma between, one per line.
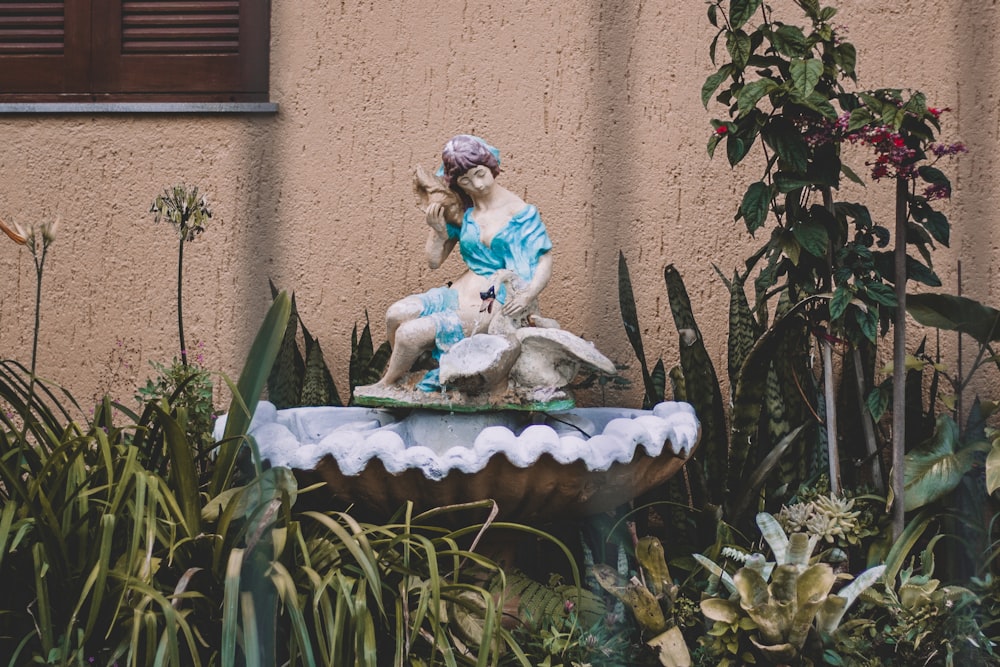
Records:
x=138, y=107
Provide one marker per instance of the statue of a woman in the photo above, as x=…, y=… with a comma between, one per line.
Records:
x=499, y=232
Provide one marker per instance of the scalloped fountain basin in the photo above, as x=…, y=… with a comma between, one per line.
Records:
x=537, y=466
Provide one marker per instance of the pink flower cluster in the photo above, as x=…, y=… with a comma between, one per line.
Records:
x=893, y=158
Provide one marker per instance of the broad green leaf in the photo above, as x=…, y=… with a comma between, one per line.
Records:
x=955, y=313
x=812, y=236
x=713, y=82
x=811, y=8
x=933, y=175
x=846, y=57
x=827, y=13
x=790, y=41
x=936, y=224
x=786, y=182
x=737, y=148
x=934, y=469
x=738, y=45
x=881, y=293
x=740, y=11
x=713, y=15
x=921, y=273
x=752, y=93
x=805, y=75
x=859, y=118
x=993, y=468
x=838, y=304
x=755, y=205
x=786, y=140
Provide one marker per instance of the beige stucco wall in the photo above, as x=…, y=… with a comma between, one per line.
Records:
x=594, y=104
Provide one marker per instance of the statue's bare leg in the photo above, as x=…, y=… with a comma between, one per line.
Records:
x=411, y=338
x=404, y=310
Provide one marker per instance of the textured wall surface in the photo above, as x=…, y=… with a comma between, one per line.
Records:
x=594, y=103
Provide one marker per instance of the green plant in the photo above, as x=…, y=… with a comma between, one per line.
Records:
x=785, y=84
x=37, y=239
x=187, y=210
x=911, y=618
x=188, y=391
x=789, y=601
x=305, y=380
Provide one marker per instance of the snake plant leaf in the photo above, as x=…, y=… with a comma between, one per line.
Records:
x=956, y=313
x=630, y=319
x=701, y=385
x=748, y=400
x=318, y=387
x=284, y=382
x=934, y=469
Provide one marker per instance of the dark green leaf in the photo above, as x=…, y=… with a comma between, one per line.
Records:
x=737, y=148
x=738, y=45
x=786, y=140
x=713, y=82
x=713, y=141
x=805, y=74
x=955, y=313
x=933, y=175
x=755, y=205
x=921, y=273
x=882, y=294
x=838, y=304
x=786, y=182
x=877, y=400
x=789, y=41
x=713, y=15
x=714, y=45
x=851, y=176
x=859, y=118
x=701, y=384
x=827, y=13
x=867, y=322
x=937, y=225
x=740, y=11
x=630, y=319
x=811, y=8
x=846, y=57
x=812, y=236
x=751, y=93
x=284, y=383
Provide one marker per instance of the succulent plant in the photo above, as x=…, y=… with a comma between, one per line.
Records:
x=787, y=600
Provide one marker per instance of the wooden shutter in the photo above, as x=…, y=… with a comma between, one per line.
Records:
x=203, y=50
x=134, y=50
x=44, y=46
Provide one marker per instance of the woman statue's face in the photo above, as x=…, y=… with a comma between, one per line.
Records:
x=476, y=181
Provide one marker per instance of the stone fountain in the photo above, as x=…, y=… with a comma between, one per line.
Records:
x=493, y=418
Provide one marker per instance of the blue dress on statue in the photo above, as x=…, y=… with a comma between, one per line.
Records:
x=518, y=246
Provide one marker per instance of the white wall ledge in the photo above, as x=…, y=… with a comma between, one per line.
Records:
x=138, y=107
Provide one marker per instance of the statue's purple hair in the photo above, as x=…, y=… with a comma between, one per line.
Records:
x=462, y=153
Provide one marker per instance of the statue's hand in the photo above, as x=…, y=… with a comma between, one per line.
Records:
x=435, y=219
x=517, y=305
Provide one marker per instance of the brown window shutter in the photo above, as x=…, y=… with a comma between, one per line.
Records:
x=202, y=50
x=44, y=46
